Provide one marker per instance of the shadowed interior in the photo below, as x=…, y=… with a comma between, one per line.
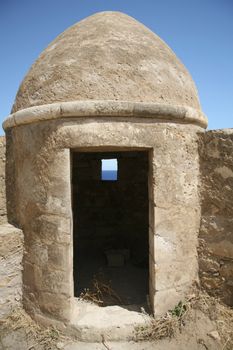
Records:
x=111, y=226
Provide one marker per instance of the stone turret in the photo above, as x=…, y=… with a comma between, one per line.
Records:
x=105, y=88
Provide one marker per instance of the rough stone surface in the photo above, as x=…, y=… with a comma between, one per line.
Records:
x=11, y=254
x=106, y=108
x=41, y=192
x=3, y=216
x=197, y=333
x=216, y=232
x=107, y=56
x=91, y=322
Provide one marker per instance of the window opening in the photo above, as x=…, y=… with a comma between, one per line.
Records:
x=109, y=169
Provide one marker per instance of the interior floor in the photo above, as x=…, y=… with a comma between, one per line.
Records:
x=128, y=283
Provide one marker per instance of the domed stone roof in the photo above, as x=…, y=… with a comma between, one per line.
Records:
x=107, y=56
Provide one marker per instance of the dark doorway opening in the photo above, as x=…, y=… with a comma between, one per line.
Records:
x=110, y=228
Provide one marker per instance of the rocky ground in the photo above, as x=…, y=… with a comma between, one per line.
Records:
x=199, y=323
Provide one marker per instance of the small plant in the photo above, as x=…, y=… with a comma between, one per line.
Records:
x=179, y=310
x=164, y=327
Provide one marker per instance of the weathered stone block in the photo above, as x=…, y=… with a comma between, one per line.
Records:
x=212, y=282
x=11, y=254
x=216, y=235
x=226, y=271
x=59, y=256
x=55, y=305
x=176, y=274
x=3, y=214
x=208, y=265
x=223, y=248
x=165, y=300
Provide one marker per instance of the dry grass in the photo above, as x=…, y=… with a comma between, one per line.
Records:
x=220, y=313
x=174, y=321
x=163, y=327
x=36, y=335
x=101, y=292
x=157, y=329
x=167, y=326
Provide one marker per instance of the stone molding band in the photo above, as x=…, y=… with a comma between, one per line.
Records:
x=93, y=108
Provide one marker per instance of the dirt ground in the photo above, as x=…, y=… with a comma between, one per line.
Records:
x=199, y=323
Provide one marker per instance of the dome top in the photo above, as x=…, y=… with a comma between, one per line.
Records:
x=107, y=56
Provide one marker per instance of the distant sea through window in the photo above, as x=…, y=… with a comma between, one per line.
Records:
x=109, y=175
x=109, y=169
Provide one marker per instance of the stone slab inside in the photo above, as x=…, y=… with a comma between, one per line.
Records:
x=110, y=227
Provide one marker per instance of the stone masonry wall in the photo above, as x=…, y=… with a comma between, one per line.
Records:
x=41, y=193
x=216, y=232
x=11, y=254
x=3, y=217
x=11, y=250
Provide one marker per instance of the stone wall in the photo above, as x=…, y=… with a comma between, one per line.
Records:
x=11, y=250
x=216, y=232
x=11, y=254
x=3, y=217
x=41, y=191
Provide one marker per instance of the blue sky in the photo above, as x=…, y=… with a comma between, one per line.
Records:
x=199, y=31
x=110, y=164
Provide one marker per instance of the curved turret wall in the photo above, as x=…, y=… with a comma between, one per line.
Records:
x=41, y=192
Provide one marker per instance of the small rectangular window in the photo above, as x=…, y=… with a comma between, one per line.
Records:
x=109, y=168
